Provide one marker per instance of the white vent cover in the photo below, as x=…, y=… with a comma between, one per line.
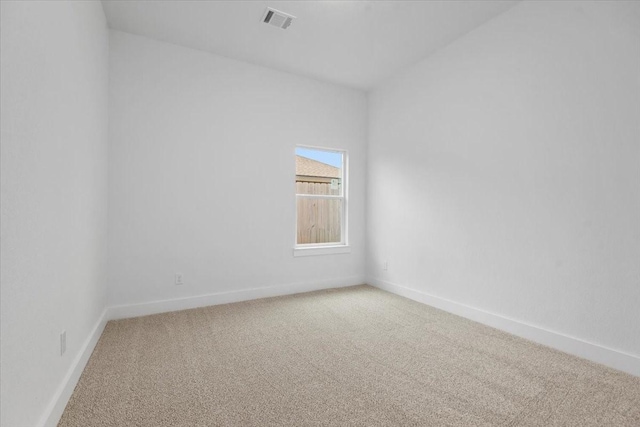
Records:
x=277, y=18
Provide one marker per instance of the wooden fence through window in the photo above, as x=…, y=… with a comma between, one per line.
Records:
x=319, y=220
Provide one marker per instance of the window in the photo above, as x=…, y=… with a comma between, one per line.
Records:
x=321, y=201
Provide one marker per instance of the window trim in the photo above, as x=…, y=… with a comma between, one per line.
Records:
x=309, y=249
x=321, y=250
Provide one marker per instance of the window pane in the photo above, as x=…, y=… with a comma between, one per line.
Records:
x=319, y=220
x=318, y=171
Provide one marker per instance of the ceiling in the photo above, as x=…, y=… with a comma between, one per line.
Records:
x=353, y=43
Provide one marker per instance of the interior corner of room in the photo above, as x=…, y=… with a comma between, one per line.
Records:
x=480, y=158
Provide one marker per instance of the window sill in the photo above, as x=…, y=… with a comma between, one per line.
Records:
x=322, y=250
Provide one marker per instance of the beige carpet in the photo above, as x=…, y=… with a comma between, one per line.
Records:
x=346, y=357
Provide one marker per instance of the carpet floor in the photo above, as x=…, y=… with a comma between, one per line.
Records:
x=354, y=356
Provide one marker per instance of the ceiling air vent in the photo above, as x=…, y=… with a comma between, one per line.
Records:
x=277, y=18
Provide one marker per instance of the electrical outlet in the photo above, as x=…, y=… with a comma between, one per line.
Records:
x=179, y=281
x=63, y=342
x=385, y=265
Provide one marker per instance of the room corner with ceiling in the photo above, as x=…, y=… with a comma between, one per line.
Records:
x=320, y=213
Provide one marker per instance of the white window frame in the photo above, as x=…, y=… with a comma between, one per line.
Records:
x=310, y=249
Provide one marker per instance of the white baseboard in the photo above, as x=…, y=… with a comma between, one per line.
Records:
x=56, y=406
x=596, y=353
x=163, y=306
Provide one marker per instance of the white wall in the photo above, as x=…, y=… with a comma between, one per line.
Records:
x=504, y=171
x=54, y=195
x=201, y=167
